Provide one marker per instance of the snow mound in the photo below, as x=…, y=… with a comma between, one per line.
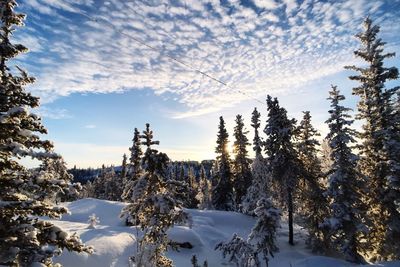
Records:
x=107, y=211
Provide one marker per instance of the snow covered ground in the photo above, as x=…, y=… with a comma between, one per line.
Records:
x=114, y=242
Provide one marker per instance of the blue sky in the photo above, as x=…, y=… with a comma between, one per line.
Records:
x=97, y=83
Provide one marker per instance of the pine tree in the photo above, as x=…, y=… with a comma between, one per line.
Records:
x=25, y=238
x=133, y=168
x=222, y=193
x=312, y=203
x=344, y=185
x=259, y=187
x=259, y=169
x=204, y=192
x=193, y=189
x=113, y=185
x=379, y=161
x=241, y=163
x=255, y=123
x=154, y=205
x=282, y=158
x=124, y=167
x=99, y=184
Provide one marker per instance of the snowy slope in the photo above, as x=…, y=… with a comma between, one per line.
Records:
x=114, y=242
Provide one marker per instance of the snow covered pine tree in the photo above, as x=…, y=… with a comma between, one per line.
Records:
x=24, y=238
x=344, y=186
x=311, y=203
x=379, y=148
x=282, y=158
x=134, y=168
x=259, y=169
x=154, y=205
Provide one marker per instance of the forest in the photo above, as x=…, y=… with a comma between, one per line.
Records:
x=342, y=189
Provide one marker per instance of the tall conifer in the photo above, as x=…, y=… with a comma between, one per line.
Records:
x=222, y=193
x=379, y=160
x=282, y=158
x=26, y=196
x=344, y=184
x=241, y=162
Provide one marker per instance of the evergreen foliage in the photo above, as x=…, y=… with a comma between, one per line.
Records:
x=255, y=123
x=312, y=205
x=241, y=163
x=25, y=196
x=259, y=186
x=134, y=168
x=260, y=242
x=282, y=158
x=222, y=193
x=204, y=193
x=379, y=147
x=154, y=205
x=259, y=170
x=344, y=184
x=193, y=187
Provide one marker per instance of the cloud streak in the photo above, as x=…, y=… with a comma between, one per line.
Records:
x=257, y=48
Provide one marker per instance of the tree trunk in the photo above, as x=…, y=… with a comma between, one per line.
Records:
x=290, y=219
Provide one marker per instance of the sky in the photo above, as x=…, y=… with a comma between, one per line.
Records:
x=104, y=67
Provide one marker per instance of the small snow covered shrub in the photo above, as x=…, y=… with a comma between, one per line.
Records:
x=93, y=221
x=260, y=242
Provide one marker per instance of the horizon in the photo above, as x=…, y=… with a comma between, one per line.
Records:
x=97, y=83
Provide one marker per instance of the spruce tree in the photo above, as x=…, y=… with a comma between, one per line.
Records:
x=241, y=163
x=259, y=186
x=124, y=167
x=25, y=195
x=204, y=191
x=154, y=205
x=222, y=193
x=379, y=160
x=282, y=158
x=259, y=169
x=344, y=184
x=255, y=123
x=99, y=184
x=312, y=204
x=193, y=187
x=133, y=168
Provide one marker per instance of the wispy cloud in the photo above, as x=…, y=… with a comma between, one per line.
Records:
x=266, y=46
x=90, y=126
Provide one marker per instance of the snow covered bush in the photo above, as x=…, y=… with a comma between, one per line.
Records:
x=260, y=243
x=93, y=221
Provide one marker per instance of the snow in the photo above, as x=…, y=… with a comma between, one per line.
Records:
x=114, y=242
